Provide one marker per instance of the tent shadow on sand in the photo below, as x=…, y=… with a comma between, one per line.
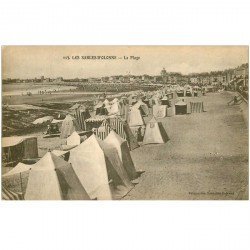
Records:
x=138, y=175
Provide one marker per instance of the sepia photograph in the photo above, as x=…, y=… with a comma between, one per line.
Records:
x=125, y=123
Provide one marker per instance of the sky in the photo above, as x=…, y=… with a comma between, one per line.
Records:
x=49, y=61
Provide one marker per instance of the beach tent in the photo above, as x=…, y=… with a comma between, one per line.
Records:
x=95, y=121
x=17, y=148
x=196, y=107
x=103, y=131
x=120, y=127
x=155, y=133
x=143, y=107
x=52, y=178
x=135, y=117
x=98, y=105
x=121, y=146
x=10, y=195
x=16, y=179
x=120, y=183
x=43, y=120
x=106, y=102
x=82, y=114
x=124, y=110
x=75, y=106
x=132, y=99
x=101, y=109
x=188, y=91
x=180, y=91
x=64, y=154
x=146, y=100
x=164, y=100
x=19, y=168
x=69, y=125
x=74, y=139
x=160, y=111
x=181, y=107
x=100, y=170
x=114, y=109
x=115, y=100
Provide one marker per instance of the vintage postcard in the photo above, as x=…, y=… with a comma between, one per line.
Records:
x=125, y=123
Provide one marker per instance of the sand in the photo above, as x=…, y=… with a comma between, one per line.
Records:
x=206, y=157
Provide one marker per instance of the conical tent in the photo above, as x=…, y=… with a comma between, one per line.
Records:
x=155, y=133
x=74, y=139
x=106, y=102
x=120, y=183
x=19, y=168
x=135, y=118
x=19, y=178
x=99, y=169
x=69, y=125
x=121, y=146
x=123, y=130
x=114, y=109
x=52, y=178
x=143, y=107
x=115, y=100
x=16, y=179
x=101, y=109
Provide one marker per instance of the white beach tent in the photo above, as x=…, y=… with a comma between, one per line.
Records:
x=114, y=109
x=135, y=117
x=52, y=178
x=106, y=102
x=100, y=170
x=43, y=120
x=69, y=125
x=122, y=148
x=74, y=139
x=155, y=133
x=115, y=100
x=19, y=168
x=143, y=107
x=160, y=111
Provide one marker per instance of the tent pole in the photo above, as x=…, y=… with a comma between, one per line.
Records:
x=21, y=183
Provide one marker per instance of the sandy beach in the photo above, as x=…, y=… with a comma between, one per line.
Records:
x=206, y=157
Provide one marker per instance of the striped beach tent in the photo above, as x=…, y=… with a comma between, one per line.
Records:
x=81, y=114
x=118, y=126
x=196, y=107
x=103, y=131
x=123, y=130
x=10, y=195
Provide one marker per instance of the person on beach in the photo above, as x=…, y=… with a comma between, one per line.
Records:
x=235, y=100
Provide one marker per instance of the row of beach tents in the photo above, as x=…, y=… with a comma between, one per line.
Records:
x=94, y=169
x=111, y=132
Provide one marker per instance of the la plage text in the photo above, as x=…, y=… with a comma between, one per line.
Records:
x=77, y=57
